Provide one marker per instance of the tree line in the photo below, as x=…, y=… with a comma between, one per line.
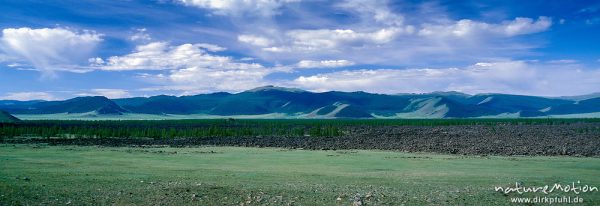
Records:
x=233, y=127
x=161, y=129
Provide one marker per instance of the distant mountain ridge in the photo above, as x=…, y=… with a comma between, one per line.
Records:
x=296, y=103
x=99, y=104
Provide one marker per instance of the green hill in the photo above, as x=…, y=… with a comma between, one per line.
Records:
x=6, y=117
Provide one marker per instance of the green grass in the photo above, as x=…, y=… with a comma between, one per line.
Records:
x=57, y=175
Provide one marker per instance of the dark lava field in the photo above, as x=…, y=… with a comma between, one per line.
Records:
x=576, y=139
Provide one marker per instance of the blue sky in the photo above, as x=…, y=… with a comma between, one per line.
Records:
x=63, y=49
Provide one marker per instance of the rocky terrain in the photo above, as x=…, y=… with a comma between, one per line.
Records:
x=576, y=139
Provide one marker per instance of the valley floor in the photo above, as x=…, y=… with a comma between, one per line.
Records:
x=34, y=174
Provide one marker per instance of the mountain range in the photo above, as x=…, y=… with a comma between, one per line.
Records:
x=295, y=103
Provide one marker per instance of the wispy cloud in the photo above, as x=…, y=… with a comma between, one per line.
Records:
x=50, y=49
x=109, y=93
x=255, y=40
x=373, y=11
x=468, y=28
x=515, y=77
x=25, y=96
x=140, y=35
x=240, y=7
x=324, y=64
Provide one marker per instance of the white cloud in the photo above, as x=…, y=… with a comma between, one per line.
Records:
x=239, y=7
x=206, y=79
x=376, y=42
x=162, y=56
x=277, y=49
x=109, y=93
x=255, y=40
x=315, y=39
x=96, y=61
x=376, y=32
x=521, y=26
x=49, y=49
x=25, y=96
x=374, y=10
x=190, y=67
x=469, y=28
x=324, y=63
x=140, y=35
x=311, y=40
x=514, y=77
x=326, y=40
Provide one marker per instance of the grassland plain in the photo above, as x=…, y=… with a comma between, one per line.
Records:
x=57, y=175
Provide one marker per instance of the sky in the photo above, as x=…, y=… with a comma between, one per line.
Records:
x=54, y=50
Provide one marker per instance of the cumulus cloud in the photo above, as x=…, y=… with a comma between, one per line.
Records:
x=324, y=63
x=163, y=56
x=383, y=32
x=379, y=32
x=378, y=27
x=189, y=67
x=515, y=77
x=49, y=49
x=240, y=7
x=468, y=28
x=25, y=96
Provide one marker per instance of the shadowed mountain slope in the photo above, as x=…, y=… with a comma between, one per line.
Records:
x=98, y=104
x=298, y=103
x=5, y=117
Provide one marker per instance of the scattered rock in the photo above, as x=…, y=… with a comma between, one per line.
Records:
x=504, y=139
x=357, y=200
